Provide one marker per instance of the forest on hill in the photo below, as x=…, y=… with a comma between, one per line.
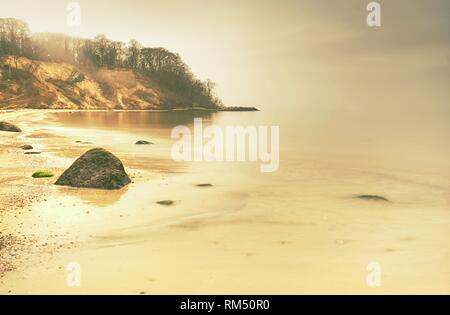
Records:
x=157, y=70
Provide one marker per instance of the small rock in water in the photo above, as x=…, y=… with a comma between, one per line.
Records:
x=166, y=202
x=6, y=126
x=143, y=142
x=26, y=147
x=204, y=185
x=372, y=197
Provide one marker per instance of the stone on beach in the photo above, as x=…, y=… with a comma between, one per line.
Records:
x=165, y=202
x=6, y=126
x=372, y=197
x=26, y=147
x=143, y=142
x=97, y=168
x=204, y=185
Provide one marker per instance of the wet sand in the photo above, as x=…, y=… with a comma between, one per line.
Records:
x=287, y=232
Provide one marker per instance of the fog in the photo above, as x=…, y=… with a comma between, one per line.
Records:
x=317, y=62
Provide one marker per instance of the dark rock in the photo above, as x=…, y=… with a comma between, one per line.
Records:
x=6, y=126
x=372, y=197
x=26, y=147
x=204, y=185
x=32, y=153
x=143, y=142
x=166, y=202
x=97, y=168
x=239, y=109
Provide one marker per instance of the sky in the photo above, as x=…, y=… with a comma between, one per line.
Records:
x=314, y=57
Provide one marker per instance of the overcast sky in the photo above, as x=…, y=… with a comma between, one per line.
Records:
x=283, y=54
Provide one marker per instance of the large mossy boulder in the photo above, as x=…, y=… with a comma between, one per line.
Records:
x=6, y=126
x=97, y=168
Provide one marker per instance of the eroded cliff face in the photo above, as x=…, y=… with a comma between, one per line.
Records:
x=26, y=83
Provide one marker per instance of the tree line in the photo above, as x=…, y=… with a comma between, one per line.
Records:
x=158, y=63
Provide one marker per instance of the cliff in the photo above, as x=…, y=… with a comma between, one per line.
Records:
x=26, y=83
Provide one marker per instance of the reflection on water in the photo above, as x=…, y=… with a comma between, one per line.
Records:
x=137, y=119
x=101, y=198
x=350, y=140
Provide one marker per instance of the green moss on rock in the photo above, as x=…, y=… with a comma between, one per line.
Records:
x=97, y=168
x=42, y=174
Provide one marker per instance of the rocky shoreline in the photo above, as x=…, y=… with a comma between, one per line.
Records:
x=28, y=180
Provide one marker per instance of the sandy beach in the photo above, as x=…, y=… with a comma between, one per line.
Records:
x=28, y=236
x=245, y=234
x=224, y=148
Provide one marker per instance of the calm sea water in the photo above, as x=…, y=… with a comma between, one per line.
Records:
x=367, y=141
x=304, y=216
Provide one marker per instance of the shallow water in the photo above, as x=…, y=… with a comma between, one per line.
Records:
x=297, y=230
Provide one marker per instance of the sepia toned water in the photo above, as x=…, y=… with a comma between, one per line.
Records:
x=297, y=230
